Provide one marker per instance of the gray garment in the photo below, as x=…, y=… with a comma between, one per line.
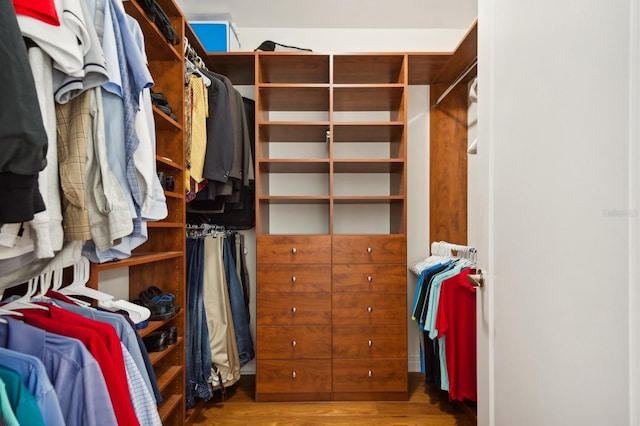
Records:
x=11, y=264
x=236, y=111
x=219, y=156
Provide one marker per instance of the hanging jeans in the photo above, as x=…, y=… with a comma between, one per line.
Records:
x=198, y=357
x=238, y=307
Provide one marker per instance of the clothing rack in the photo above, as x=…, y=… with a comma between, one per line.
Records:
x=442, y=249
x=206, y=230
x=464, y=73
x=191, y=56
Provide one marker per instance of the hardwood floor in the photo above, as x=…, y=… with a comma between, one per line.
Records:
x=426, y=407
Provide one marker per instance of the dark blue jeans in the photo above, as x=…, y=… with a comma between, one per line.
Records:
x=238, y=307
x=198, y=357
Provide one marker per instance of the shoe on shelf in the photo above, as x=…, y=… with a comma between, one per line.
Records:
x=156, y=341
x=172, y=334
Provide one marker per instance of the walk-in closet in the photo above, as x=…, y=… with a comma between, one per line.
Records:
x=327, y=212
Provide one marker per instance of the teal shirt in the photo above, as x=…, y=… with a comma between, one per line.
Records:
x=6, y=411
x=22, y=401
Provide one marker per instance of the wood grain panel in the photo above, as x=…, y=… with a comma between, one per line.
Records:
x=369, y=249
x=277, y=376
x=369, y=278
x=294, y=342
x=448, y=168
x=387, y=341
x=293, y=278
x=463, y=55
x=293, y=309
x=368, y=68
x=376, y=375
x=294, y=249
x=369, y=309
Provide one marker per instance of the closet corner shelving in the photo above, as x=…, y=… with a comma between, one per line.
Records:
x=331, y=205
x=331, y=216
x=161, y=260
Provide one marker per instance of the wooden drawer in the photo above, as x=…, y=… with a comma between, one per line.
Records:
x=379, y=375
x=275, y=376
x=370, y=278
x=293, y=342
x=386, y=341
x=293, y=309
x=369, y=309
x=294, y=249
x=293, y=278
x=369, y=249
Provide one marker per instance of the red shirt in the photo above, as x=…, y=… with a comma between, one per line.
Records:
x=42, y=10
x=102, y=342
x=456, y=319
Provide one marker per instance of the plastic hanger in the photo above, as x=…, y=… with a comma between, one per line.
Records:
x=24, y=302
x=78, y=287
x=57, y=284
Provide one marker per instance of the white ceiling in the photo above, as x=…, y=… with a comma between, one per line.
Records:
x=337, y=13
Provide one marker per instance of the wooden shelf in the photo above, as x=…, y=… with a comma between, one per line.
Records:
x=301, y=199
x=167, y=406
x=169, y=162
x=395, y=165
x=373, y=68
x=239, y=67
x=174, y=195
x=367, y=98
x=165, y=224
x=156, y=45
x=373, y=199
x=292, y=68
x=164, y=122
x=294, y=98
x=136, y=259
x=155, y=357
x=293, y=131
x=294, y=166
x=165, y=376
x=368, y=132
x=154, y=325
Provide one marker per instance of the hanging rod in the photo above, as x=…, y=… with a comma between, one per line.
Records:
x=455, y=83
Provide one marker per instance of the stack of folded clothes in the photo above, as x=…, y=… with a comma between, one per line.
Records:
x=161, y=102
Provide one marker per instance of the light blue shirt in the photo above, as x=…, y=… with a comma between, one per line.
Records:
x=73, y=371
x=35, y=378
x=142, y=400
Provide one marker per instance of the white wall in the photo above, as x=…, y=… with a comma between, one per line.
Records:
x=327, y=40
x=554, y=112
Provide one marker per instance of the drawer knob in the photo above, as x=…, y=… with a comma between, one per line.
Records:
x=370, y=343
x=293, y=375
x=369, y=278
x=369, y=250
x=294, y=310
x=369, y=309
x=293, y=279
x=294, y=250
x=370, y=373
x=294, y=343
